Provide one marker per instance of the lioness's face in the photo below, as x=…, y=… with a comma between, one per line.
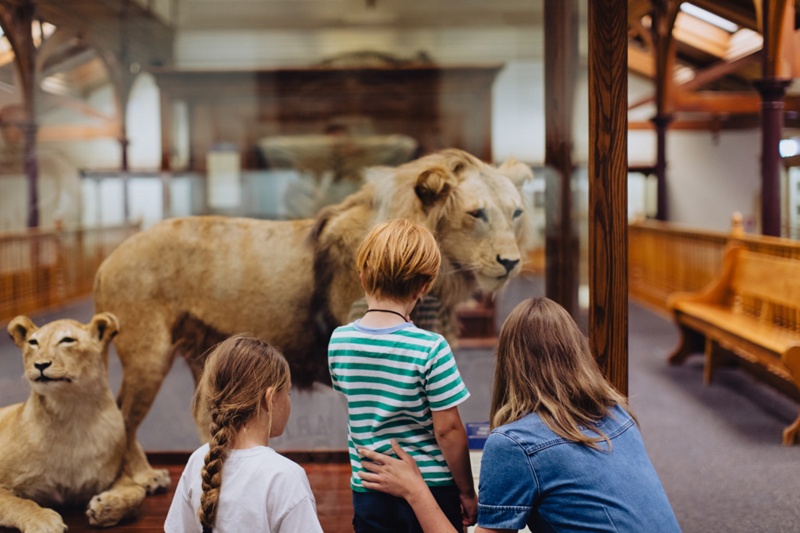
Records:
x=484, y=228
x=64, y=354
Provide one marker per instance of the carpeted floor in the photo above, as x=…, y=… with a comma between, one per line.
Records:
x=717, y=449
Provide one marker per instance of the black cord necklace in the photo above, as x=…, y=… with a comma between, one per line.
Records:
x=385, y=311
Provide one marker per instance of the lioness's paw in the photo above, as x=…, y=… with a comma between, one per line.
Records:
x=153, y=480
x=105, y=510
x=45, y=521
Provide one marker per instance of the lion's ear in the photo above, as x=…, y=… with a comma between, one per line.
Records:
x=433, y=185
x=20, y=328
x=104, y=326
x=517, y=172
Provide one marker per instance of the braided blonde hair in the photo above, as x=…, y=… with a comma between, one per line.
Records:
x=235, y=379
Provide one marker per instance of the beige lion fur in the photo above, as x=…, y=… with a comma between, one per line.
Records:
x=186, y=283
x=65, y=444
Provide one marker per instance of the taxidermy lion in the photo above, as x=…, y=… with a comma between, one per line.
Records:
x=64, y=445
x=187, y=283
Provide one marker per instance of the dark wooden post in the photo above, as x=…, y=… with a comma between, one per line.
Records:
x=664, y=14
x=16, y=22
x=167, y=118
x=124, y=81
x=772, y=89
x=560, y=68
x=662, y=205
x=608, y=196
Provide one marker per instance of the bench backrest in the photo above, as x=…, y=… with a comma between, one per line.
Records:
x=767, y=287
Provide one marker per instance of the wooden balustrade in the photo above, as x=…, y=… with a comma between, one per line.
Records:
x=41, y=269
x=664, y=258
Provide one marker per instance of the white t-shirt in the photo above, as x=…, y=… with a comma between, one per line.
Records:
x=261, y=491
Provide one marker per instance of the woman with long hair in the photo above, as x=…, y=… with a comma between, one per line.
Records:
x=565, y=452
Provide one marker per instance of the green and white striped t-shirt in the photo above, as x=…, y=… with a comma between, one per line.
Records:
x=393, y=378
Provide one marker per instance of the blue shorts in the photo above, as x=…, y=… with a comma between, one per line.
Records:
x=376, y=512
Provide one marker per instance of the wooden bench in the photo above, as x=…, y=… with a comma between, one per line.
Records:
x=750, y=315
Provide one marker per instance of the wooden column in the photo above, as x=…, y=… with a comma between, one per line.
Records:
x=772, y=88
x=167, y=135
x=560, y=73
x=122, y=78
x=664, y=14
x=608, y=195
x=16, y=22
x=772, y=91
x=662, y=205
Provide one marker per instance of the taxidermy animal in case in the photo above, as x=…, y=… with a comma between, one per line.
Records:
x=65, y=444
x=186, y=283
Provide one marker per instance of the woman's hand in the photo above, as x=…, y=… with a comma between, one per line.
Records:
x=396, y=476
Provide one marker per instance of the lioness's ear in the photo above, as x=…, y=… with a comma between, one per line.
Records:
x=20, y=328
x=517, y=172
x=104, y=326
x=433, y=185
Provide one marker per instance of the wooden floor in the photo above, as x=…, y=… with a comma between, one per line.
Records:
x=329, y=478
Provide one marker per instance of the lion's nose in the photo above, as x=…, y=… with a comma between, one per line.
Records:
x=508, y=264
x=41, y=366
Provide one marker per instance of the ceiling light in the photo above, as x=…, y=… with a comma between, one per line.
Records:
x=707, y=16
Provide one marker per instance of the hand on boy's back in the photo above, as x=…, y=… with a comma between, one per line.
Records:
x=469, y=509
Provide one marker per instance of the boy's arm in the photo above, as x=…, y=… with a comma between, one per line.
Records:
x=452, y=439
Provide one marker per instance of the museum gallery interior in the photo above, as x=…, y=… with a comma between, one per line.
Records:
x=636, y=161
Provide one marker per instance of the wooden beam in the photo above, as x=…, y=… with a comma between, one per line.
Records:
x=705, y=76
x=150, y=40
x=727, y=10
x=718, y=70
x=635, y=24
x=71, y=132
x=732, y=102
x=608, y=197
x=80, y=106
x=637, y=9
x=711, y=124
x=641, y=62
x=718, y=102
x=53, y=45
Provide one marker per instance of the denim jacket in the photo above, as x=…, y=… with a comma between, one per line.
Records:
x=531, y=476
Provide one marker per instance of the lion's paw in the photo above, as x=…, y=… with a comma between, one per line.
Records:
x=105, y=510
x=153, y=481
x=45, y=521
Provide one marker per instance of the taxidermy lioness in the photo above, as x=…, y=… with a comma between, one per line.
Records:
x=187, y=283
x=65, y=444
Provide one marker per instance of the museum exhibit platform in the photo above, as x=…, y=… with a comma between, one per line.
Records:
x=328, y=474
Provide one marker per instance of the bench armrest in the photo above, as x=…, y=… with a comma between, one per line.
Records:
x=791, y=360
x=715, y=291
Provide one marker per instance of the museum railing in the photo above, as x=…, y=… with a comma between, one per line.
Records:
x=664, y=257
x=40, y=269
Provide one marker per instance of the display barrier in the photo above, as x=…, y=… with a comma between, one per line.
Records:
x=664, y=258
x=46, y=268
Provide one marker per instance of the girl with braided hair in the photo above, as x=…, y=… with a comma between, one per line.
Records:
x=245, y=391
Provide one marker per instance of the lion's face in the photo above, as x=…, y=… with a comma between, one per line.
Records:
x=475, y=210
x=64, y=355
x=484, y=228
